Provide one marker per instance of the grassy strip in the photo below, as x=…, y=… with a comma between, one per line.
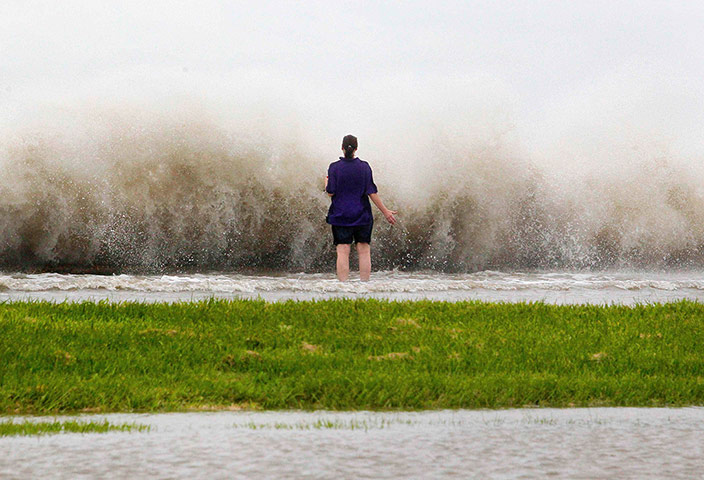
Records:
x=346, y=354
x=8, y=428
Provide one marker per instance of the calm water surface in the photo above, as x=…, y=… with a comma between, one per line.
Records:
x=530, y=443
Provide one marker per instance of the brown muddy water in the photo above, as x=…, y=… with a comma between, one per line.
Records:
x=526, y=443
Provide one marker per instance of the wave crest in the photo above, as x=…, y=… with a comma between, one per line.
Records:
x=108, y=189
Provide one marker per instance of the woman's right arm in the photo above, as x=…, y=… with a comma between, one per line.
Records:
x=388, y=214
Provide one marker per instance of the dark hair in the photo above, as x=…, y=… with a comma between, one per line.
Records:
x=349, y=144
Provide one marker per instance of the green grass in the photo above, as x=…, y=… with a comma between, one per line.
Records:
x=346, y=355
x=8, y=428
x=327, y=424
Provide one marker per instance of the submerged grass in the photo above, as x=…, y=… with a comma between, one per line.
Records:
x=346, y=355
x=327, y=424
x=27, y=427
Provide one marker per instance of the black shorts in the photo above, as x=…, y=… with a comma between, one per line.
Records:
x=345, y=235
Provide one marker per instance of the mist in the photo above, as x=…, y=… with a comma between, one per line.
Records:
x=196, y=137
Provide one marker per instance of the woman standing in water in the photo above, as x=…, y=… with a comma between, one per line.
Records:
x=350, y=184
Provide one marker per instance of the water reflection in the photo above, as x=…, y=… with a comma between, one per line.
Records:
x=535, y=443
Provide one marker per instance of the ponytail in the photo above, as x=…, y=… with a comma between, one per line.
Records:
x=349, y=145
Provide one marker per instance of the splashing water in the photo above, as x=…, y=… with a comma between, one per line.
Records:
x=178, y=185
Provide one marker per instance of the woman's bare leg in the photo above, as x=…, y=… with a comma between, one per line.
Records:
x=343, y=262
x=365, y=261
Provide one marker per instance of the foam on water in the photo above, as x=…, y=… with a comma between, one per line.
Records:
x=559, y=287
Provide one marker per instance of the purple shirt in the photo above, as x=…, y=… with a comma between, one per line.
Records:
x=350, y=181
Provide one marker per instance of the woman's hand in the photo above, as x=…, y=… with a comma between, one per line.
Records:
x=389, y=215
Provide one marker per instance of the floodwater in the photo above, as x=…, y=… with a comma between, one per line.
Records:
x=622, y=287
x=529, y=443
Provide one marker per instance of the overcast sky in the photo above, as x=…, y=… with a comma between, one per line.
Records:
x=538, y=46
x=535, y=51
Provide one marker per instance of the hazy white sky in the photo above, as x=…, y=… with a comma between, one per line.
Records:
x=358, y=54
x=537, y=47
